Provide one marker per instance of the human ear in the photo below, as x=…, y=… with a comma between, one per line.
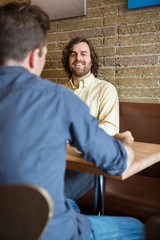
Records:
x=33, y=56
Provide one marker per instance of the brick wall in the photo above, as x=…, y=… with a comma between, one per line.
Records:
x=126, y=41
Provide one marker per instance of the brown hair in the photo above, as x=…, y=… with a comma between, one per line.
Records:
x=67, y=51
x=22, y=29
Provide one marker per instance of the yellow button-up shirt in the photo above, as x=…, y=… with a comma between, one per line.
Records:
x=102, y=99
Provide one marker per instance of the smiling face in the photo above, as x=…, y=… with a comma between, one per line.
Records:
x=80, y=60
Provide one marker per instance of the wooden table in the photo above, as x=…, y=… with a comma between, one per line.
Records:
x=146, y=154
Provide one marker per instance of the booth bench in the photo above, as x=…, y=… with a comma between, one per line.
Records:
x=139, y=195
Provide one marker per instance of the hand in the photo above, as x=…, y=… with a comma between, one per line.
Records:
x=127, y=140
x=125, y=137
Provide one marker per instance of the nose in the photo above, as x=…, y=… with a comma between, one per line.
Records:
x=78, y=57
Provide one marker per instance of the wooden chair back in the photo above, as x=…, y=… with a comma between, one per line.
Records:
x=25, y=211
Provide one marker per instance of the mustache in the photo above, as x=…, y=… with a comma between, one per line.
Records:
x=75, y=62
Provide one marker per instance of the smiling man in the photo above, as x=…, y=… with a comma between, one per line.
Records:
x=80, y=61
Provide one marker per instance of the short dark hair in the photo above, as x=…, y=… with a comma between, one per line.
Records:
x=68, y=49
x=23, y=28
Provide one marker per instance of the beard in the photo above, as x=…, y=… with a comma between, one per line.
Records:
x=78, y=72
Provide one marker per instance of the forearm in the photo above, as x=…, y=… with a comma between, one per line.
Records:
x=127, y=139
x=109, y=127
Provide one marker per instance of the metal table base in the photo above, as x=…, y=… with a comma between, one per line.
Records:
x=99, y=195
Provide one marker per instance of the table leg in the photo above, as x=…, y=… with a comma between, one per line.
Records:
x=99, y=195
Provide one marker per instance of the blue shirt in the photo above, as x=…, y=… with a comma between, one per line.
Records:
x=37, y=117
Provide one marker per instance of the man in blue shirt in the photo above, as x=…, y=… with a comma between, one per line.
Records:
x=36, y=121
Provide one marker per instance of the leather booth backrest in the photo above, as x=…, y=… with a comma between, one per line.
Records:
x=142, y=119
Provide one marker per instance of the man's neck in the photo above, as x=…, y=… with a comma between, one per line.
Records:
x=76, y=79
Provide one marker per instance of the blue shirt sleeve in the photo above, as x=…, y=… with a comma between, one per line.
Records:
x=104, y=151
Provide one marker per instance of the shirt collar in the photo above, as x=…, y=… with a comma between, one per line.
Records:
x=12, y=69
x=83, y=82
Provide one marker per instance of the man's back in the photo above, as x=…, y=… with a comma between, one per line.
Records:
x=34, y=131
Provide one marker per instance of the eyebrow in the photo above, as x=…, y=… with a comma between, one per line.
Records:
x=80, y=51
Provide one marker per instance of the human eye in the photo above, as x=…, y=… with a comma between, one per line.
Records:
x=73, y=54
x=84, y=54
